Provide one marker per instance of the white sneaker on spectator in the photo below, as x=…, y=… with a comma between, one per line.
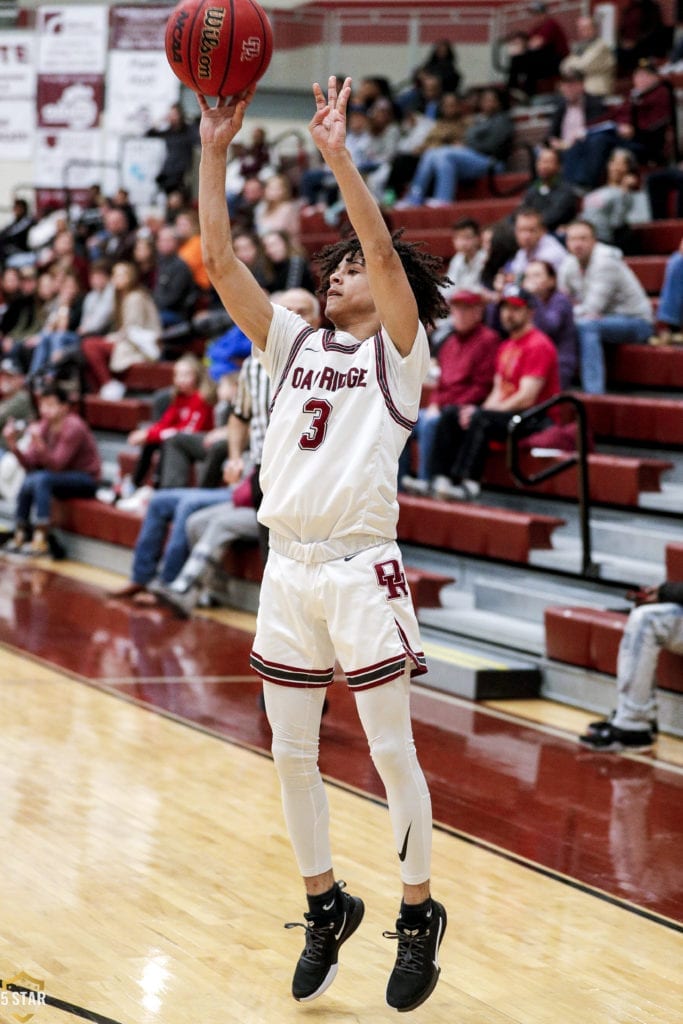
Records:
x=113, y=390
x=138, y=501
x=413, y=485
x=445, y=490
x=107, y=495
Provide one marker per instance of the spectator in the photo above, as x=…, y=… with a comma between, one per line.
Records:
x=63, y=258
x=59, y=337
x=485, y=143
x=423, y=96
x=466, y=362
x=190, y=249
x=644, y=119
x=14, y=236
x=610, y=304
x=16, y=402
x=619, y=203
x=134, y=339
x=61, y=461
x=552, y=313
x=670, y=307
x=289, y=265
x=145, y=259
x=115, y=242
x=12, y=297
x=499, y=244
x=242, y=205
x=384, y=135
x=536, y=55
x=661, y=185
x=278, y=211
x=466, y=265
x=655, y=624
x=25, y=318
x=249, y=249
x=640, y=34
x=174, y=292
x=180, y=139
x=579, y=132
x=98, y=305
x=318, y=186
x=535, y=243
x=526, y=375
x=442, y=64
x=188, y=412
x=550, y=194
x=592, y=56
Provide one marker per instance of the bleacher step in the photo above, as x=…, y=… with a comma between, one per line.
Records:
x=477, y=672
x=488, y=627
x=528, y=602
x=566, y=557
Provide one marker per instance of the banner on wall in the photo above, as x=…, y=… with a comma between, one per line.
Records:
x=17, y=95
x=72, y=39
x=17, y=129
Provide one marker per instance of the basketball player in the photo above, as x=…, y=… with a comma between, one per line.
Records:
x=344, y=403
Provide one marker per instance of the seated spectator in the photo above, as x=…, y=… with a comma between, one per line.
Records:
x=535, y=243
x=654, y=625
x=174, y=291
x=179, y=138
x=288, y=262
x=526, y=374
x=423, y=96
x=552, y=313
x=14, y=236
x=610, y=304
x=115, y=242
x=384, y=135
x=25, y=318
x=466, y=265
x=318, y=186
x=640, y=34
x=59, y=338
x=644, y=119
x=536, y=54
x=189, y=411
x=663, y=184
x=466, y=362
x=442, y=63
x=499, y=244
x=592, y=56
x=580, y=133
x=669, y=323
x=484, y=143
x=145, y=259
x=415, y=128
x=242, y=205
x=16, y=402
x=553, y=197
x=201, y=451
x=619, y=203
x=249, y=249
x=278, y=211
x=12, y=299
x=61, y=461
x=190, y=248
x=98, y=305
x=137, y=327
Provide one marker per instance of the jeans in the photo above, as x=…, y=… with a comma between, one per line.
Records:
x=175, y=507
x=41, y=485
x=49, y=343
x=447, y=165
x=584, y=162
x=612, y=329
x=670, y=309
x=424, y=433
x=649, y=628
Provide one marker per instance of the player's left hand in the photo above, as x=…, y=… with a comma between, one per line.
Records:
x=220, y=124
x=328, y=126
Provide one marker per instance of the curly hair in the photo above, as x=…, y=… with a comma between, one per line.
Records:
x=423, y=270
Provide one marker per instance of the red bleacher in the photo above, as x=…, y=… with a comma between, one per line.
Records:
x=619, y=418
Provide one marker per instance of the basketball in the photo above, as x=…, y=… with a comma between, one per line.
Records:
x=218, y=47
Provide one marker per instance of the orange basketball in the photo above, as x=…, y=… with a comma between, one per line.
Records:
x=218, y=47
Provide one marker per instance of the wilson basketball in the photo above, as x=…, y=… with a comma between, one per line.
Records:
x=218, y=47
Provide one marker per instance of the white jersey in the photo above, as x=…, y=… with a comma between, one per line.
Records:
x=341, y=413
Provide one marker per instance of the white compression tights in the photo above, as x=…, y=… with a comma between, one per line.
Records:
x=294, y=715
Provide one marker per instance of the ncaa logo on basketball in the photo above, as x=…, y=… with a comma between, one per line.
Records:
x=251, y=48
x=177, y=37
x=391, y=576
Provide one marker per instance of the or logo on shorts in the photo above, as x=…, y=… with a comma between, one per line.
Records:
x=390, y=575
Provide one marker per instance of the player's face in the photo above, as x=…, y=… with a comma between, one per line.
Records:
x=349, y=290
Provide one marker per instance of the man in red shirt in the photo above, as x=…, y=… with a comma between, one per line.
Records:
x=466, y=365
x=526, y=374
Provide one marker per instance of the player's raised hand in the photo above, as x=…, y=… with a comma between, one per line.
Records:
x=220, y=124
x=328, y=125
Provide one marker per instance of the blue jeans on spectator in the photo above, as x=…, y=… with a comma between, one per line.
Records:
x=424, y=433
x=612, y=329
x=670, y=308
x=447, y=165
x=41, y=485
x=174, y=506
x=49, y=343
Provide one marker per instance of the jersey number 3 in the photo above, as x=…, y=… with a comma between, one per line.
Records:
x=320, y=410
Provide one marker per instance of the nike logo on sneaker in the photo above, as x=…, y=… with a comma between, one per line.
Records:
x=328, y=906
x=337, y=935
x=402, y=853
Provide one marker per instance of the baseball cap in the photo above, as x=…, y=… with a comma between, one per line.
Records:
x=516, y=296
x=467, y=297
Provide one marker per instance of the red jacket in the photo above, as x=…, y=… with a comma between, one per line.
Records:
x=467, y=366
x=188, y=414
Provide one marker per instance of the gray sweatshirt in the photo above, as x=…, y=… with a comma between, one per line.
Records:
x=606, y=286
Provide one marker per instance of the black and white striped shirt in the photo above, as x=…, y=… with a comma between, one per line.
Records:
x=252, y=404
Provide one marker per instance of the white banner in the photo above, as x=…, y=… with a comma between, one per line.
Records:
x=140, y=89
x=17, y=129
x=72, y=39
x=17, y=65
x=68, y=159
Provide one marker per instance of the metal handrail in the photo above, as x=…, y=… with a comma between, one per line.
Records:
x=580, y=459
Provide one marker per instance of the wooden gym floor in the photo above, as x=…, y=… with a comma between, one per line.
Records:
x=146, y=874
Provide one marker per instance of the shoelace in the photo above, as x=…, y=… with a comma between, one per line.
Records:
x=411, y=949
x=317, y=937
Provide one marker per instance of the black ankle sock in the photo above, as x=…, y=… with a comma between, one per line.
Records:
x=319, y=906
x=416, y=913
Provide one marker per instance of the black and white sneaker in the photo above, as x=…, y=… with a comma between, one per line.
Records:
x=416, y=970
x=596, y=726
x=317, y=967
x=607, y=738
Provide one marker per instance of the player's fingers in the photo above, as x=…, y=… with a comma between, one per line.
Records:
x=319, y=96
x=344, y=96
x=332, y=90
x=201, y=100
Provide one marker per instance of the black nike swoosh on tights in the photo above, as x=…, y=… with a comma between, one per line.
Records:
x=404, y=849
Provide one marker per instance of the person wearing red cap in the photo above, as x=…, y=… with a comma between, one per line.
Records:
x=466, y=363
x=526, y=374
